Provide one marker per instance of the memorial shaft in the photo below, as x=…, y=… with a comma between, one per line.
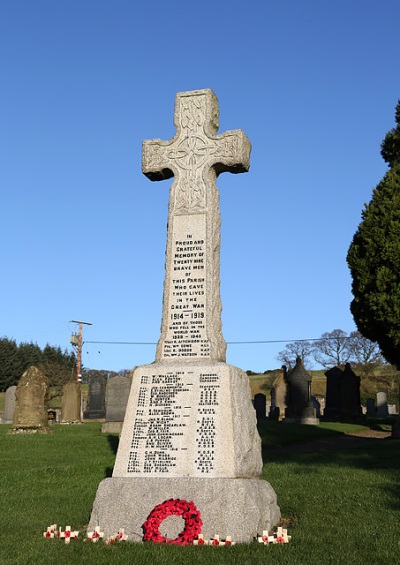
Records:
x=191, y=321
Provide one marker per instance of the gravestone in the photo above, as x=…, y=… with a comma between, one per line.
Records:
x=278, y=396
x=190, y=427
x=260, y=406
x=31, y=402
x=9, y=405
x=300, y=409
x=317, y=405
x=96, y=401
x=117, y=394
x=71, y=403
x=381, y=405
x=332, y=401
x=350, y=404
x=371, y=409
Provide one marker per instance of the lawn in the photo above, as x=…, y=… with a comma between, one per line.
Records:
x=340, y=506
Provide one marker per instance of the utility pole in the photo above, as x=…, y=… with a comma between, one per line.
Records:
x=77, y=341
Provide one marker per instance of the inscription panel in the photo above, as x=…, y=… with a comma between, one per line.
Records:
x=180, y=424
x=186, y=311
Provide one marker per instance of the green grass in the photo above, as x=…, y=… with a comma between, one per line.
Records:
x=342, y=506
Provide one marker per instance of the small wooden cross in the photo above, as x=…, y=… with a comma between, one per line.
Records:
x=68, y=534
x=279, y=537
x=200, y=540
x=121, y=536
x=265, y=538
x=216, y=541
x=51, y=531
x=95, y=535
x=228, y=541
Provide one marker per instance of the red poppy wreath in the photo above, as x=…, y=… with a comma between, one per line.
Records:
x=173, y=507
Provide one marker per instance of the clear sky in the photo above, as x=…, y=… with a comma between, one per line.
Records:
x=314, y=85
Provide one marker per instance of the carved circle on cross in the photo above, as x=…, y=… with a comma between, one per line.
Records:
x=192, y=152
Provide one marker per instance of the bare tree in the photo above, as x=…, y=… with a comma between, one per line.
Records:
x=364, y=353
x=302, y=349
x=332, y=349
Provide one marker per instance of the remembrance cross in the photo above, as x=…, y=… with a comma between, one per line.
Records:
x=191, y=323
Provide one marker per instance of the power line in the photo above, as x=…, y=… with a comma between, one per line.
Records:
x=228, y=342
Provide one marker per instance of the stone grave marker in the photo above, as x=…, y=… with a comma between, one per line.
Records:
x=350, y=403
x=30, y=412
x=332, y=401
x=299, y=408
x=96, y=401
x=117, y=394
x=371, y=408
x=260, y=406
x=190, y=428
x=381, y=405
x=71, y=403
x=9, y=405
x=278, y=396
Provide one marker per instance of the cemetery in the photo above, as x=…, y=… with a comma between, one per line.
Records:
x=182, y=463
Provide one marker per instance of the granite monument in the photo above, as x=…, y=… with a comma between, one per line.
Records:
x=190, y=427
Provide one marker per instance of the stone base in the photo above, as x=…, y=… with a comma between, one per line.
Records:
x=111, y=427
x=70, y=422
x=240, y=508
x=29, y=431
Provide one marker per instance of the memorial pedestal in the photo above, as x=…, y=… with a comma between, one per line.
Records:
x=190, y=433
x=240, y=508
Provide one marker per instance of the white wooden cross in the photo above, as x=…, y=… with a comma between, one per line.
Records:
x=96, y=535
x=68, y=534
x=280, y=536
x=200, y=540
x=51, y=531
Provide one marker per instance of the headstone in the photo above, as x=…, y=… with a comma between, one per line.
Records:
x=190, y=428
x=316, y=404
x=260, y=406
x=392, y=409
x=96, y=401
x=332, y=400
x=381, y=405
x=278, y=396
x=71, y=403
x=117, y=395
x=299, y=408
x=9, y=405
x=31, y=401
x=371, y=408
x=350, y=410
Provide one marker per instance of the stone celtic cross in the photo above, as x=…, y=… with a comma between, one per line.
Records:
x=191, y=323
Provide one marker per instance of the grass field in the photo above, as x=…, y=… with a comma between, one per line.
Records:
x=341, y=506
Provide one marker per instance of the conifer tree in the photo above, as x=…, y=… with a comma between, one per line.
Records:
x=374, y=257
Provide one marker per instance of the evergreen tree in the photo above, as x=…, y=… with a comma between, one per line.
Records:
x=11, y=366
x=374, y=257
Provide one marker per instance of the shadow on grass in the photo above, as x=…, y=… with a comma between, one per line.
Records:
x=113, y=441
x=366, y=454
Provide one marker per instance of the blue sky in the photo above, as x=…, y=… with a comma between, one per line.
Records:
x=314, y=85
